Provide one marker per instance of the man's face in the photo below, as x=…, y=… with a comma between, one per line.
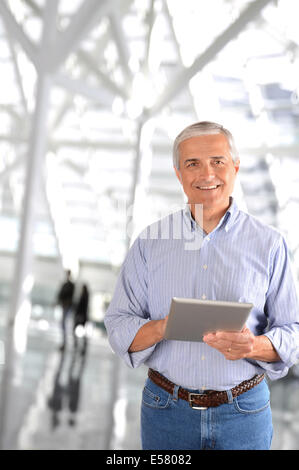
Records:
x=207, y=171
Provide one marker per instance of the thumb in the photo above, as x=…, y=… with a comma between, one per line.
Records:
x=245, y=328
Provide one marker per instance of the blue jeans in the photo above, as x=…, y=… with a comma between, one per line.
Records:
x=169, y=423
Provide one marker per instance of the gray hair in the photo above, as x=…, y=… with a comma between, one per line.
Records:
x=203, y=128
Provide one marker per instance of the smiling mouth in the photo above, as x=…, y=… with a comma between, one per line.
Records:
x=208, y=188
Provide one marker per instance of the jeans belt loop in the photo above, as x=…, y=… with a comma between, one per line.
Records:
x=229, y=396
x=176, y=392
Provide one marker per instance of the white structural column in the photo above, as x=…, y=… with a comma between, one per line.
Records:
x=21, y=283
x=33, y=174
x=180, y=81
x=19, y=311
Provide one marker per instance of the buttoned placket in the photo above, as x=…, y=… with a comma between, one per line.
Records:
x=202, y=272
x=204, y=266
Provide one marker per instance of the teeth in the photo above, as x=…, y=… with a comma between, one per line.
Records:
x=207, y=187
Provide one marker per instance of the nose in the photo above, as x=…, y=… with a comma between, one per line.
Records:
x=206, y=172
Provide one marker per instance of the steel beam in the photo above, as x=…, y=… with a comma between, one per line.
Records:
x=104, y=80
x=80, y=87
x=136, y=175
x=101, y=76
x=43, y=192
x=8, y=170
x=145, y=130
x=177, y=48
x=280, y=151
x=34, y=7
x=49, y=26
x=87, y=16
x=121, y=43
x=64, y=108
x=18, y=75
x=182, y=78
x=16, y=31
x=151, y=19
x=58, y=143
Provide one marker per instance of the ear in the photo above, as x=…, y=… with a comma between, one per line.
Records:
x=177, y=172
x=237, y=166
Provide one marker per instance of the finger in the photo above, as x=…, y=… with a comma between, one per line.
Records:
x=230, y=350
x=224, y=335
x=223, y=344
x=237, y=338
x=233, y=357
x=208, y=337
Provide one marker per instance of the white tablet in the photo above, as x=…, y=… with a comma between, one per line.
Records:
x=191, y=319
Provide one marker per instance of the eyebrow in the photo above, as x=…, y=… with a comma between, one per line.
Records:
x=217, y=157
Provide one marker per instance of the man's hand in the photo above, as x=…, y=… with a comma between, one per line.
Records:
x=233, y=345
x=243, y=344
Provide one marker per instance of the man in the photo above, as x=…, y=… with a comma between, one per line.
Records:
x=65, y=300
x=211, y=394
x=81, y=317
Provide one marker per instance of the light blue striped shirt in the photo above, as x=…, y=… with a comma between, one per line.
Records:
x=241, y=260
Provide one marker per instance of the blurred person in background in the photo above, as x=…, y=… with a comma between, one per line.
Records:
x=81, y=318
x=211, y=394
x=65, y=300
x=65, y=394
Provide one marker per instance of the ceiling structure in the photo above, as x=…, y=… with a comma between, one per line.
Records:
x=92, y=95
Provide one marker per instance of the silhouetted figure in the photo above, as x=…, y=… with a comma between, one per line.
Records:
x=66, y=390
x=56, y=399
x=81, y=317
x=65, y=299
x=74, y=384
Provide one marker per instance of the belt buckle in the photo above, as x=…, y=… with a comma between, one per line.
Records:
x=190, y=399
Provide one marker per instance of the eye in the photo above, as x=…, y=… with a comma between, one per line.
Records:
x=218, y=162
x=191, y=164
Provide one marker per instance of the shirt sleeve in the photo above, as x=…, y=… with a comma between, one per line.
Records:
x=282, y=310
x=128, y=310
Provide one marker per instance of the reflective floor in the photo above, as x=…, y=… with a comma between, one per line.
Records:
x=71, y=400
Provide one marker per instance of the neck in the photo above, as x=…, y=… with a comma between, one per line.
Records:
x=207, y=217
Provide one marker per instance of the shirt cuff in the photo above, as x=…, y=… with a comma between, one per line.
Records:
x=274, y=370
x=138, y=358
x=284, y=347
x=279, y=369
x=121, y=338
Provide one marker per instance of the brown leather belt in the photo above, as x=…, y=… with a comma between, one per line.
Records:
x=207, y=399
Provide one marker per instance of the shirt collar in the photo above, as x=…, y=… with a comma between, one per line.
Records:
x=226, y=221
x=231, y=214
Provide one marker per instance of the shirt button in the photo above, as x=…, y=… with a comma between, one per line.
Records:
x=203, y=296
x=205, y=266
x=202, y=358
x=208, y=239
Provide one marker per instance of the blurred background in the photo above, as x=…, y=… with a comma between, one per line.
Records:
x=92, y=94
